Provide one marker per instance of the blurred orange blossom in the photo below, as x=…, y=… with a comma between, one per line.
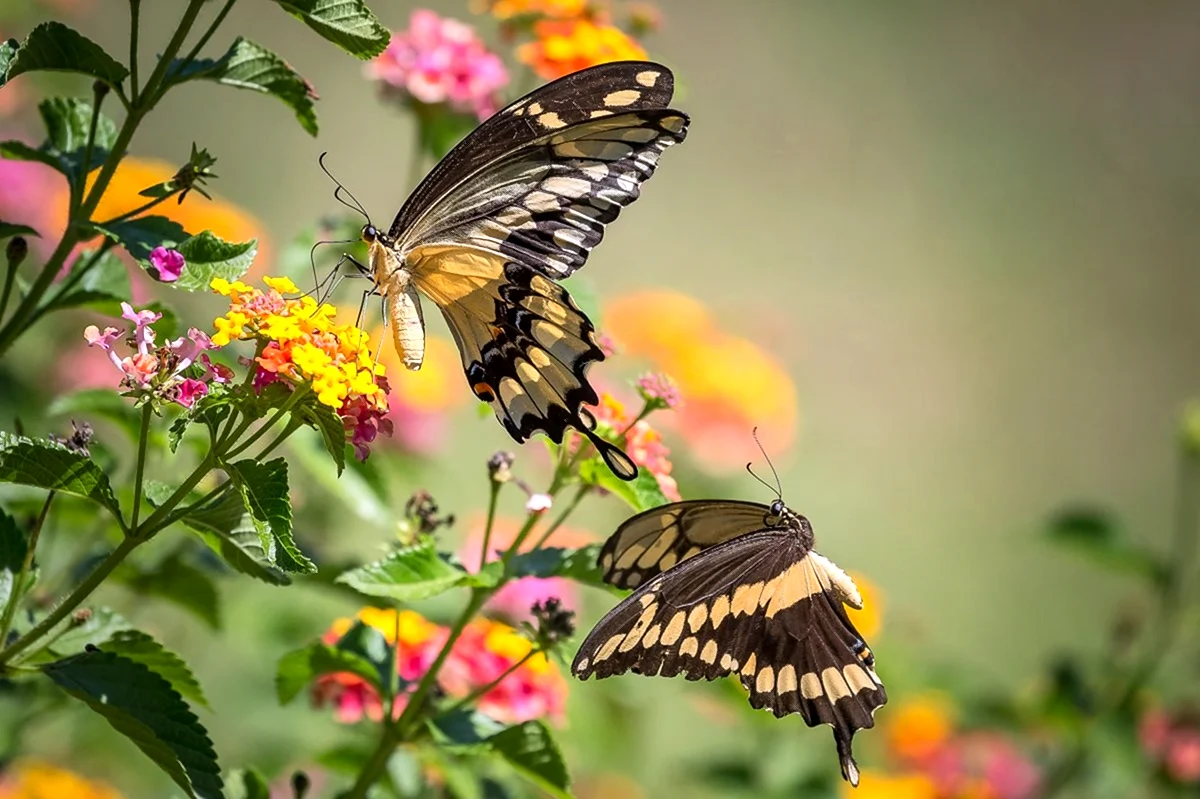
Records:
x=33, y=779
x=869, y=618
x=917, y=728
x=878, y=785
x=563, y=46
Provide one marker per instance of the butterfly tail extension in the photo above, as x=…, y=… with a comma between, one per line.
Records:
x=614, y=457
x=846, y=756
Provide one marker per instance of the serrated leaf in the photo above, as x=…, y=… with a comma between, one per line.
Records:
x=264, y=488
x=298, y=669
x=10, y=229
x=248, y=65
x=409, y=573
x=531, y=750
x=143, y=707
x=93, y=626
x=44, y=464
x=325, y=421
x=176, y=580
x=15, y=150
x=641, y=493
x=55, y=47
x=13, y=547
x=347, y=23
x=104, y=286
x=370, y=645
x=247, y=784
x=208, y=256
x=8, y=51
x=139, y=236
x=574, y=564
x=67, y=121
x=227, y=528
x=464, y=728
x=139, y=647
x=1097, y=535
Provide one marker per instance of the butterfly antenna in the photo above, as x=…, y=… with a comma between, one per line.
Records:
x=778, y=485
x=759, y=479
x=337, y=193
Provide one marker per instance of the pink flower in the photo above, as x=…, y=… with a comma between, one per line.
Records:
x=169, y=263
x=365, y=422
x=984, y=759
x=1172, y=740
x=441, y=60
x=659, y=391
x=189, y=391
x=104, y=340
x=141, y=367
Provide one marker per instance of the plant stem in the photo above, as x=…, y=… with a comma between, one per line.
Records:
x=140, y=470
x=135, y=8
x=292, y=426
x=152, y=91
x=73, y=600
x=493, y=500
x=159, y=519
x=18, y=588
x=485, y=689
x=216, y=23
x=562, y=517
x=297, y=394
x=77, y=189
x=10, y=279
x=139, y=210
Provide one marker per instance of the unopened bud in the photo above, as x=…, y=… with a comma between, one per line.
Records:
x=100, y=88
x=554, y=622
x=300, y=784
x=499, y=467
x=16, y=251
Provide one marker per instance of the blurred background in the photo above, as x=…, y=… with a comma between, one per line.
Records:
x=958, y=242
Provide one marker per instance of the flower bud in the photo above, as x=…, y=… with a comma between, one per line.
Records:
x=16, y=251
x=499, y=467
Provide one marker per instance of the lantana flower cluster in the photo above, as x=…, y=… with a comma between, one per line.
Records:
x=642, y=442
x=1172, y=742
x=178, y=371
x=485, y=651
x=301, y=344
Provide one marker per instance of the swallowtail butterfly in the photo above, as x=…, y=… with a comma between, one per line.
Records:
x=514, y=207
x=726, y=587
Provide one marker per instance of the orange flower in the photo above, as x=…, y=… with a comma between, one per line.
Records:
x=918, y=728
x=729, y=384
x=877, y=785
x=195, y=214
x=868, y=619
x=32, y=779
x=569, y=45
x=559, y=9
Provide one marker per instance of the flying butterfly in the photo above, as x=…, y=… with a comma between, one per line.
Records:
x=514, y=207
x=728, y=587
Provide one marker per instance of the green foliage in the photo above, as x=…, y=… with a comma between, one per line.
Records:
x=347, y=23
x=246, y=784
x=210, y=257
x=141, y=648
x=409, y=573
x=144, y=707
x=43, y=464
x=9, y=229
x=298, y=669
x=13, y=548
x=54, y=46
x=1097, y=536
x=140, y=235
x=574, y=564
x=264, y=489
x=229, y=530
x=101, y=281
x=176, y=580
x=529, y=748
x=67, y=122
x=248, y=65
x=641, y=493
x=321, y=418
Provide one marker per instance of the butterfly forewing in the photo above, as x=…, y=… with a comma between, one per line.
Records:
x=658, y=539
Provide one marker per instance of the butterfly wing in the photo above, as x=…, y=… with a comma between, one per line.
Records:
x=527, y=195
x=658, y=539
x=759, y=606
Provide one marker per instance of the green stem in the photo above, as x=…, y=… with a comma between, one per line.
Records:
x=81, y=180
x=493, y=500
x=216, y=23
x=18, y=588
x=562, y=517
x=135, y=8
x=139, y=210
x=152, y=91
x=484, y=690
x=10, y=279
x=179, y=513
x=297, y=394
x=73, y=600
x=292, y=426
x=140, y=470
x=373, y=769
x=159, y=519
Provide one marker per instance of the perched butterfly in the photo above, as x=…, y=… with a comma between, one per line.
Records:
x=517, y=205
x=727, y=587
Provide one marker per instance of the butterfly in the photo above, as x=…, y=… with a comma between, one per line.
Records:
x=516, y=206
x=727, y=587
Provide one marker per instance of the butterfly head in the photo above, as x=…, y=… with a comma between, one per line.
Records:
x=371, y=235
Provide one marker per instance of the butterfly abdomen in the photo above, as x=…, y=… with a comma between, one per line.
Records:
x=403, y=304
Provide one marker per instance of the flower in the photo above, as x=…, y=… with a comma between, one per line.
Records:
x=168, y=263
x=441, y=60
x=643, y=443
x=982, y=764
x=877, y=785
x=659, y=392
x=301, y=344
x=559, y=9
x=731, y=384
x=538, y=503
x=869, y=618
x=563, y=46
x=33, y=779
x=1172, y=741
x=486, y=650
x=918, y=728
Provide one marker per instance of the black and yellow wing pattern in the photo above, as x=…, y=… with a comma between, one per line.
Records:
x=753, y=599
x=518, y=205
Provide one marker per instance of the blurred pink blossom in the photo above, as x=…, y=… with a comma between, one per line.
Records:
x=1173, y=742
x=986, y=758
x=441, y=60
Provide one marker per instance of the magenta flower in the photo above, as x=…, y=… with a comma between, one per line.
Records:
x=190, y=390
x=441, y=60
x=659, y=391
x=169, y=263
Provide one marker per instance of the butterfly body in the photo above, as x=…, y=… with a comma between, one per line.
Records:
x=735, y=588
x=516, y=206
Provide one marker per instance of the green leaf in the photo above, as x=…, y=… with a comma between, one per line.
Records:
x=575, y=564
x=105, y=284
x=369, y=644
x=8, y=51
x=414, y=572
x=54, y=46
x=141, y=648
x=14, y=150
x=530, y=749
x=248, y=65
x=641, y=493
x=264, y=488
x=247, y=784
x=13, y=547
x=44, y=464
x=347, y=23
x=298, y=669
x=67, y=123
x=10, y=229
x=325, y=421
x=209, y=257
x=178, y=581
x=228, y=529
x=1097, y=535
x=464, y=729
x=139, y=236
x=143, y=707
x=93, y=626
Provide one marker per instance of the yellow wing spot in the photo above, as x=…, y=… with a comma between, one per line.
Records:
x=600, y=112
x=634, y=579
x=535, y=108
x=835, y=684
x=622, y=98
x=606, y=560
x=691, y=553
x=792, y=586
x=647, y=78
x=667, y=561
x=572, y=188
x=720, y=609
x=540, y=202
x=727, y=662
x=857, y=678
x=810, y=686
x=697, y=617
x=674, y=629
x=583, y=664
x=655, y=550
x=551, y=120
x=672, y=124
x=745, y=598
x=630, y=556
x=786, y=679
x=651, y=636
x=646, y=600
x=764, y=681
x=690, y=646
x=609, y=647
x=750, y=665
x=709, y=653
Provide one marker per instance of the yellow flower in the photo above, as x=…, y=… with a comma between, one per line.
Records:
x=877, y=785
x=868, y=619
x=414, y=629
x=31, y=779
x=506, y=9
x=569, y=45
x=310, y=359
x=437, y=387
x=283, y=285
x=918, y=727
